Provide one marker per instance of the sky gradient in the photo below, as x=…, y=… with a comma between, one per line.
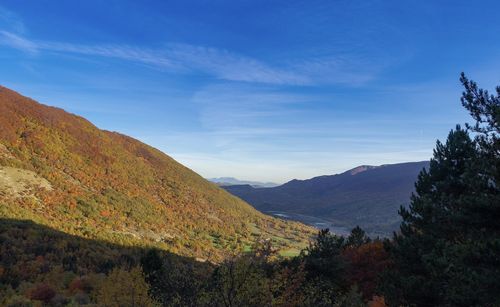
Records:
x=258, y=90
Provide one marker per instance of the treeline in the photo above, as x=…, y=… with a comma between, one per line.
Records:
x=332, y=271
x=41, y=266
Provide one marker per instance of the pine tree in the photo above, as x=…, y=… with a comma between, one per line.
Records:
x=447, y=251
x=325, y=269
x=357, y=237
x=323, y=256
x=485, y=110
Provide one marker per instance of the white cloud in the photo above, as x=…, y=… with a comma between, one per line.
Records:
x=233, y=107
x=350, y=70
x=17, y=42
x=221, y=64
x=230, y=66
x=218, y=63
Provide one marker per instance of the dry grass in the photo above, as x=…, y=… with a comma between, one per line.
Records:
x=16, y=182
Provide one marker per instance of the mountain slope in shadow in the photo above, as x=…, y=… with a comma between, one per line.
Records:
x=39, y=263
x=368, y=196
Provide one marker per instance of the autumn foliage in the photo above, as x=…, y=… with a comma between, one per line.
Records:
x=366, y=263
x=42, y=292
x=111, y=187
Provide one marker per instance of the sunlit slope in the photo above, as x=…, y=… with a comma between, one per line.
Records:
x=104, y=185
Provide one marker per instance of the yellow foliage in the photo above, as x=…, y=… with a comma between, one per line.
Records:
x=124, y=288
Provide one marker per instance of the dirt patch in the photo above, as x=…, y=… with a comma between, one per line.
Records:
x=17, y=182
x=5, y=153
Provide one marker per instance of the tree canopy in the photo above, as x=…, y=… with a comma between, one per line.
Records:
x=446, y=253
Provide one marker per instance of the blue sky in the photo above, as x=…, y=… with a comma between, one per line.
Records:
x=258, y=90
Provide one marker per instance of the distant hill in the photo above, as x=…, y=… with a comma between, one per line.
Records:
x=369, y=196
x=225, y=181
x=59, y=170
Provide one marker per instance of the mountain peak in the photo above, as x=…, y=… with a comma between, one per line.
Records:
x=360, y=169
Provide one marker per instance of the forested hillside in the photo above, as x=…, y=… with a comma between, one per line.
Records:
x=59, y=170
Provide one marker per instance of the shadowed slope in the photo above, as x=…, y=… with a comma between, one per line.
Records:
x=34, y=257
x=368, y=196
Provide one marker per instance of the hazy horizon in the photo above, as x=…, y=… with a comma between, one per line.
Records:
x=256, y=90
x=220, y=178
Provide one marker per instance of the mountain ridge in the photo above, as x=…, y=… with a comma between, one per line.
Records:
x=224, y=181
x=366, y=195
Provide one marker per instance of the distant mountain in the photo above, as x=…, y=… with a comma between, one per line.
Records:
x=369, y=196
x=225, y=181
x=60, y=171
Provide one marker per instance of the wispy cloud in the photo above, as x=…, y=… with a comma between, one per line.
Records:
x=249, y=121
x=229, y=66
x=218, y=63
x=11, y=21
x=110, y=51
x=341, y=69
x=225, y=107
x=229, y=108
x=18, y=42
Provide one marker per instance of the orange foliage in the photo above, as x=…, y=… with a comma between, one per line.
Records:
x=80, y=284
x=377, y=301
x=75, y=285
x=366, y=262
x=105, y=213
x=42, y=292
